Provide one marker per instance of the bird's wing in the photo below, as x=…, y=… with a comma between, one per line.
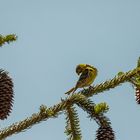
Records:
x=84, y=75
x=82, y=78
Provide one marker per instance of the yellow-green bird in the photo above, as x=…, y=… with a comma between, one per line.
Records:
x=87, y=74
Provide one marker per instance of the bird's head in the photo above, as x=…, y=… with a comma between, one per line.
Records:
x=80, y=68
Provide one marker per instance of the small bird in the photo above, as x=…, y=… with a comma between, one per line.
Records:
x=87, y=74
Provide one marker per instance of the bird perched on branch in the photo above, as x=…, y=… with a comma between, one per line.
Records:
x=87, y=74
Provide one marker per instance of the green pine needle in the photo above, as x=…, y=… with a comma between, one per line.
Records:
x=101, y=108
x=72, y=124
x=7, y=39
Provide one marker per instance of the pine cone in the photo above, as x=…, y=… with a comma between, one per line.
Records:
x=105, y=133
x=6, y=94
x=137, y=95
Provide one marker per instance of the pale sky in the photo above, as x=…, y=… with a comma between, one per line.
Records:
x=53, y=37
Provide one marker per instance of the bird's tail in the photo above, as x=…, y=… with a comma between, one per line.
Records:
x=72, y=90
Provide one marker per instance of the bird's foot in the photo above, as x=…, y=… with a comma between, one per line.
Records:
x=90, y=89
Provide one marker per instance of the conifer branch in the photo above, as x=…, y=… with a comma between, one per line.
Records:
x=44, y=114
x=72, y=124
x=7, y=39
x=109, y=84
x=105, y=131
x=80, y=99
x=88, y=106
